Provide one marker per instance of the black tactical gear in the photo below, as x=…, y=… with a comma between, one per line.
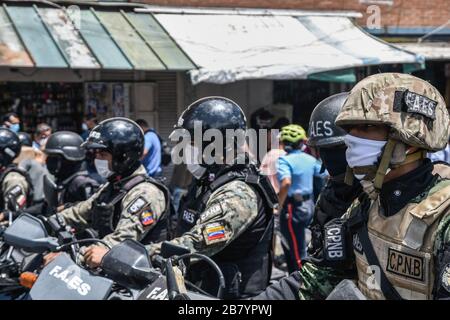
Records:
x=246, y=261
x=121, y=137
x=336, y=196
x=78, y=187
x=106, y=209
x=9, y=146
x=322, y=130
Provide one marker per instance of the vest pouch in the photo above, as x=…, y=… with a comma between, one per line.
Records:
x=233, y=279
x=102, y=218
x=337, y=244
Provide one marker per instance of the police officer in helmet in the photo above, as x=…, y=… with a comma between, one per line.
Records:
x=15, y=185
x=227, y=213
x=65, y=161
x=396, y=233
x=130, y=205
x=337, y=195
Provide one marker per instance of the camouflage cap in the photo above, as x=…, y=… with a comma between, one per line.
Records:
x=413, y=109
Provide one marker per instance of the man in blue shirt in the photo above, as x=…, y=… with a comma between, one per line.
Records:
x=296, y=171
x=151, y=158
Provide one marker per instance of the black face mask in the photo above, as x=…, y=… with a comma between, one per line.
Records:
x=62, y=168
x=54, y=165
x=334, y=160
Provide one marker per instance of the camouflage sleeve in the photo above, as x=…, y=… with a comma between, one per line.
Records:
x=228, y=213
x=318, y=282
x=141, y=209
x=311, y=283
x=16, y=184
x=442, y=259
x=78, y=216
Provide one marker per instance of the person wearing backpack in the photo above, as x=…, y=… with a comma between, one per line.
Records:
x=152, y=156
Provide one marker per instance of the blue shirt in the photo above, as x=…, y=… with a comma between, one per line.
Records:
x=441, y=155
x=152, y=161
x=301, y=168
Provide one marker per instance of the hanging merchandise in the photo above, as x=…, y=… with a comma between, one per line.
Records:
x=58, y=104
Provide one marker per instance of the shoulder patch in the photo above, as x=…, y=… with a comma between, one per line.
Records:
x=215, y=232
x=147, y=217
x=445, y=277
x=137, y=205
x=213, y=211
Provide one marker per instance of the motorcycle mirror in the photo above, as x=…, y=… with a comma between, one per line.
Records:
x=50, y=192
x=128, y=263
x=28, y=232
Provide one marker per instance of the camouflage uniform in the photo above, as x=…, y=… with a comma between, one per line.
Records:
x=410, y=239
x=412, y=244
x=140, y=210
x=17, y=184
x=233, y=206
x=229, y=219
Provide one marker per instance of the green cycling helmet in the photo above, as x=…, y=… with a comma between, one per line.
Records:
x=292, y=133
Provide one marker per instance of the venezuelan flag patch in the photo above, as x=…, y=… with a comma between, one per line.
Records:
x=215, y=232
x=147, y=218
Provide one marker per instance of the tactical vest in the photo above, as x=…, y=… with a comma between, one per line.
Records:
x=64, y=196
x=246, y=261
x=14, y=168
x=404, y=246
x=105, y=220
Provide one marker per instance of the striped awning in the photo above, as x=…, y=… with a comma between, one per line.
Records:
x=48, y=37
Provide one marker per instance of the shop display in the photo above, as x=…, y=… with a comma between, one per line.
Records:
x=58, y=104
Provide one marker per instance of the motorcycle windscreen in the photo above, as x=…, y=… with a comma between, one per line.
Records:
x=62, y=279
x=156, y=291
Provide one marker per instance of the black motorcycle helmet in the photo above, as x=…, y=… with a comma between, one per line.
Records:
x=9, y=146
x=322, y=130
x=326, y=136
x=25, y=139
x=121, y=137
x=64, y=153
x=213, y=113
x=217, y=113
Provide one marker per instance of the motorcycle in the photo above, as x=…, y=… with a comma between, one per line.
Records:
x=126, y=273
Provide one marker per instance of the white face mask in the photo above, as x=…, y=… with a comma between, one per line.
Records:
x=362, y=152
x=192, y=160
x=102, y=167
x=43, y=141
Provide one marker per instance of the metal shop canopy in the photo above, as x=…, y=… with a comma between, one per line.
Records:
x=43, y=37
x=227, y=48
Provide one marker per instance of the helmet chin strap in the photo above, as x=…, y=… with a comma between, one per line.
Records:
x=394, y=156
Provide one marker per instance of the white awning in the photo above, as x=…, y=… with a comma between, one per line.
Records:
x=228, y=48
x=430, y=50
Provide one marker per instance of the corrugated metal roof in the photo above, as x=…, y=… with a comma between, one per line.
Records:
x=12, y=52
x=44, y=37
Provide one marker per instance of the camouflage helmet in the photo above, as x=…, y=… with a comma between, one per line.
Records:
x=412, y=108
